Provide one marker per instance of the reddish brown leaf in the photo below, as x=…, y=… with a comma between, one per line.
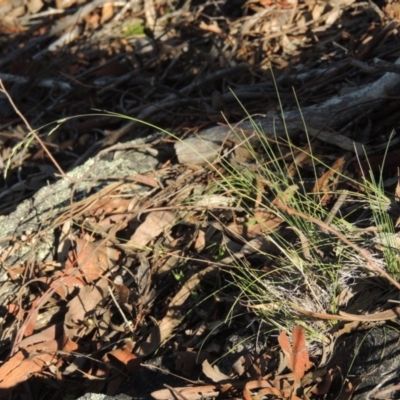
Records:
x=69, y=346
x=15, y=311
x=64, y=285
x=126, y=358
x=247, y=395
x=31, y=360
x=297, y=354
x=283, y=341
x=299, y=360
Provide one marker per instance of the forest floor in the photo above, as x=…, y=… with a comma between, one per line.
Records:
x=232, y=264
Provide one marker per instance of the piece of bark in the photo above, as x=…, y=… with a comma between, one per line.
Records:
x=319, y=119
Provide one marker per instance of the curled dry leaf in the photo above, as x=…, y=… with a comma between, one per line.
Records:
x=213, y=372
x=125, y=358
x=122, y=293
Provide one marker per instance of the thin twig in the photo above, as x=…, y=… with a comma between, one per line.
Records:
x=335, y=209
x=175, y=392
x=127, y=322
x=34, y=133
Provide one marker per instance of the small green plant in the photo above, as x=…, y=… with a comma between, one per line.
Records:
x=179, y=275
x=136, y=29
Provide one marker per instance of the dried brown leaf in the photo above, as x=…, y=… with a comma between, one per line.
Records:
x=21, y=367
x=264, y=222
x=213, y=372
x=80, y=307
x=35, y=6
x=123, y=293
x=301, y=159
x=126, y=358
x=324, y=184
x=107, y=12
x=93, y=259
x=297, y=353
x=247, y=395
x=47, y=335
x=200, y=242
x=143, y=275
x=283, y=341
x=258, y=383
x=173, y=317
x=300, y=360
x=155, y=223
x=272, y=391
x=36, y=353
x=322, y=388
x=61, y=4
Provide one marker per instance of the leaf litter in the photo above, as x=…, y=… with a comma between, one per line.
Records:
x=94, y=318
x=131, y=273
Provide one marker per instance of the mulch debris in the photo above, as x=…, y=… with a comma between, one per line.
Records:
x=145, y=265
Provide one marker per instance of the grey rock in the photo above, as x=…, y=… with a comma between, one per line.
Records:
x=99, y=396
x=39, y=213
x=373, y=356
